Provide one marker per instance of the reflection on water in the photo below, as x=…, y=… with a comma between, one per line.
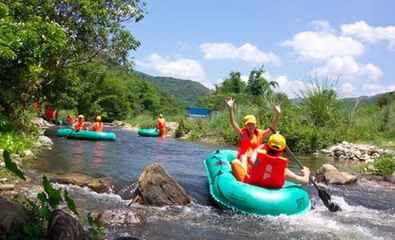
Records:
x=368, y=212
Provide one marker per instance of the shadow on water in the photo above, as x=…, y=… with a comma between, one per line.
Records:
x=368, y=211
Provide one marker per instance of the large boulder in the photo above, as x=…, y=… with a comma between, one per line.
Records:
x=41, y=123
x=330, y=175
x=27, y=155
x=171, y=128
x=156, y=187
x=12, y=217
x=62, y=226
x=99, y=185
x=44, y=141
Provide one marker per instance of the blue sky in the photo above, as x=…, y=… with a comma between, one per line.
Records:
x=350, y=42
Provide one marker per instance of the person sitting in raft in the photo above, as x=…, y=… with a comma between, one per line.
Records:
x=98, y=125
x=269, y=169
x=69, y=120
x=161, y=125
x=250, y=136
x=80, y=124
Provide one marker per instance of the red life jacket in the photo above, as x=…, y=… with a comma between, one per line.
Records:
x=98, y=126
x=247, y=142
x=50, y=113
x=160, y=123
x=268, y=171
x=79, y=125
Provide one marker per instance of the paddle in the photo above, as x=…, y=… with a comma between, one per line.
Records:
x=324, y=195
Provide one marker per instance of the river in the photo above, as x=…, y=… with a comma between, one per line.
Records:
x=368, y=210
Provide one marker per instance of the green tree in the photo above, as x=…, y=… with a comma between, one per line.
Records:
x=42, y=42
x=233, y=84
x=258, y=85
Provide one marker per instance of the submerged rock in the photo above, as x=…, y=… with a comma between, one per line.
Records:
x=329, y=174
x=63, y=226
x=156, y=187
x=99, y=185
x=390, y=178
x=123, y=125
x=12, y=217
x=121, y=217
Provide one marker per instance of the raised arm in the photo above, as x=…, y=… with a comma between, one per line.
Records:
x=276, y=116
x=230, y=104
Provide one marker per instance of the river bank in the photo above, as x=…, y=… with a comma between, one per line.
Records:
x=130, y=154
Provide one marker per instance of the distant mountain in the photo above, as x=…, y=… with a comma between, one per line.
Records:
x=185, y=91
x=369, y=99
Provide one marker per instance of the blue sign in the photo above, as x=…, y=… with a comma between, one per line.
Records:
x=195, y=112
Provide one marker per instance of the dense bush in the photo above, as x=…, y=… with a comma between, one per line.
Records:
x=385, y=165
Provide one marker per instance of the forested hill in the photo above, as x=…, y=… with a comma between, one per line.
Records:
x=185, y=91
x=373, y=99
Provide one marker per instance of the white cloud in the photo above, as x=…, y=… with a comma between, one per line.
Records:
x=247, y=52
x=346, y=90
x=292, y=88
x=367, y=33
x=348, y=69
x=244, y=78
x=322, y=26
x=183, y=68
x=323, y=45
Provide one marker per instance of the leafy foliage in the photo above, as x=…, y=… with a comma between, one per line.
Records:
x=385, y=165
x=43, y=43
x=40, y=210
x=10, y=165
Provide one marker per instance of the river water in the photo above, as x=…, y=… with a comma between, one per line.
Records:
x=368, y=209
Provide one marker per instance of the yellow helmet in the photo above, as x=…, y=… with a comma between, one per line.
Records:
x=249, y=119
x=277, y=142
x=98, y=118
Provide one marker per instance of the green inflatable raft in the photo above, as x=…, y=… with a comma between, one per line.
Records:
x=86, y=135
x=229, y=193
x=148, y=132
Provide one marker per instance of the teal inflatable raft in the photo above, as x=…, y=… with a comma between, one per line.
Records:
x=87, y=135
x=148, y=132
x=229, y=193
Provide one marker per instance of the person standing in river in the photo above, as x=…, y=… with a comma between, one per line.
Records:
x=161, y=125
x=250, y=136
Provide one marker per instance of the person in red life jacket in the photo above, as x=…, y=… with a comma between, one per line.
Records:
x=161, y=125
x=50, y=113
x=80, y=124
x=69, y=120
x=250, y=136
x=98, y=125
x=269, y=169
